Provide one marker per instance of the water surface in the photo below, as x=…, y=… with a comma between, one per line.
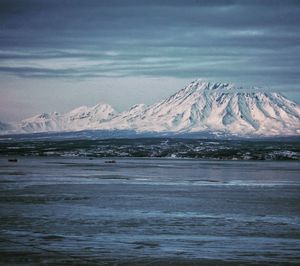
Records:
x=149, y=211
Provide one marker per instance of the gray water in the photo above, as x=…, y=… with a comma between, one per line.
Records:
x=149, y=212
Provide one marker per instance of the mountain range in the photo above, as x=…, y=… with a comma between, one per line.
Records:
x=202, y=106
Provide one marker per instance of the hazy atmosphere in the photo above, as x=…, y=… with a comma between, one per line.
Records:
x=57, y=55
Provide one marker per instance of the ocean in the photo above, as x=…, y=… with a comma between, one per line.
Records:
x=85, y=211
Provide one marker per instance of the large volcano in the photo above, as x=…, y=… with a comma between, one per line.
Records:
x=200, y=107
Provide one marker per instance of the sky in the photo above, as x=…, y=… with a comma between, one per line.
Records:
x=56, y=55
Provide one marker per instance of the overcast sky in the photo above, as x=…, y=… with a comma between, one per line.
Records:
x=57, y=54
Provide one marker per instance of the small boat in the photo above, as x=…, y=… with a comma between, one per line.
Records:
x=110, y=161
x=13, y=160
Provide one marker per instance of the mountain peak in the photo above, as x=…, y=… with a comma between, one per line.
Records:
x=202, y=106
x=103, y=105
x=104, y=108
x=222, y=107
x=202, y=84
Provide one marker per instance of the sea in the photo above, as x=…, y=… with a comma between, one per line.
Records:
x=129, y=211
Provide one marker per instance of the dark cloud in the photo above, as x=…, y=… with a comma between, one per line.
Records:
x=239, y=40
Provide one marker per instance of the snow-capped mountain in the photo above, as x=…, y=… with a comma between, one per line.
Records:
x=200, y=107
x=78, y=119
x=204, y=106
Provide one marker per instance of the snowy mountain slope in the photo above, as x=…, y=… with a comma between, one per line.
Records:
x=89, y=117
x=127, y=120
x=204, y=106
x=200, y=107
x=78, y=119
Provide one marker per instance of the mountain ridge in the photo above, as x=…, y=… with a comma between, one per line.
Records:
x=199, y=107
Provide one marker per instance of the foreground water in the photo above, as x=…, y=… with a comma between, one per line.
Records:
x=148, y=211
